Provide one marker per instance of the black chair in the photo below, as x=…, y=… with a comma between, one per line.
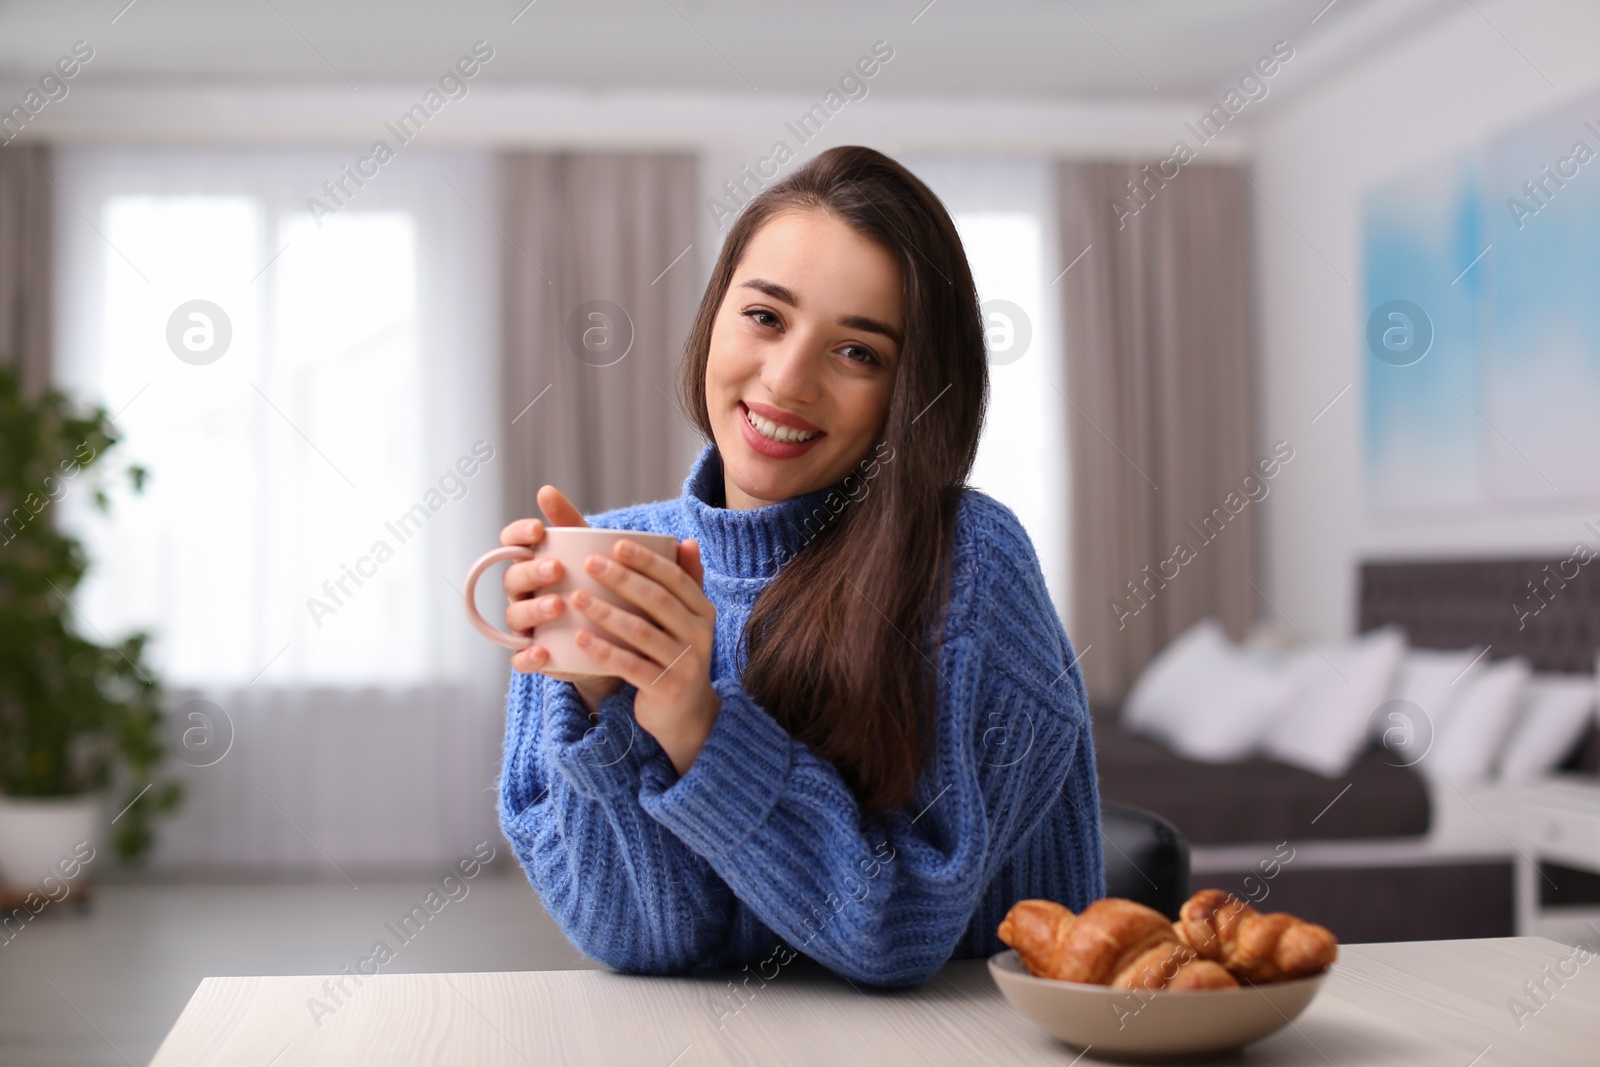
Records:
x=1146, y=858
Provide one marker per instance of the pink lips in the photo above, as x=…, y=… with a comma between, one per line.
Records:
x=776, y=449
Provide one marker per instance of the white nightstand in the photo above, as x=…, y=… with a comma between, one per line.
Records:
x=1559, y=822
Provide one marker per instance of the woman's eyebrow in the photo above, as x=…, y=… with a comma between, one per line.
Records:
x=858, y=322
x=861, y=322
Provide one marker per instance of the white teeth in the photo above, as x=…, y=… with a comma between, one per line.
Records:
x=771, y=430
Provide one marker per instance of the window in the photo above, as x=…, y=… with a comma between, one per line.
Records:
x=302, y=392
x=1002, y=209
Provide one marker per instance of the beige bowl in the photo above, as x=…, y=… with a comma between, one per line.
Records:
x=1144, y=1024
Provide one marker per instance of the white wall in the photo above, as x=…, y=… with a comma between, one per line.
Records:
x=1441, y=89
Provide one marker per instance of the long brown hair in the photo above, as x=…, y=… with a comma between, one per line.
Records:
x=836, y=640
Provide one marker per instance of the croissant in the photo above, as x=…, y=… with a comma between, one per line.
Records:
x=1253, y=946
x=1112, y=942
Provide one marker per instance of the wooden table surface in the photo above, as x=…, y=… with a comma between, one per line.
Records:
x=1412, y=1003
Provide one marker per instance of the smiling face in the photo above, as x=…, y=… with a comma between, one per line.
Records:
x=802, y=359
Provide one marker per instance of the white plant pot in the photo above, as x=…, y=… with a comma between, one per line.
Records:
x=43, y=836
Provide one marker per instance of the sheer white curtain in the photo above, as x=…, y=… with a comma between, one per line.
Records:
x=1004, y=210
x=313, y=393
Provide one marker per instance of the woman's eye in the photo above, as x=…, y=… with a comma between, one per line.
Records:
x=855, y=353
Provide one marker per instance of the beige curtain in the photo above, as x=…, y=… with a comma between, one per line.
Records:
x=579, y=229
x=26, y=263
x=1159, y=372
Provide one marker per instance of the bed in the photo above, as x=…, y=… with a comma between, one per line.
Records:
x=1379, y=854
x=1221, y=803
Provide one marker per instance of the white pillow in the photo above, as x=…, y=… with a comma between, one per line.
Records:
x=1555, y=710
x=1466, y=743
x=1157, y=694
x=1433, y=681
x=1337, y=690
x=1205, y=697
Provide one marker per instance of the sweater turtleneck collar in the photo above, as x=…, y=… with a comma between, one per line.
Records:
x=747, y=543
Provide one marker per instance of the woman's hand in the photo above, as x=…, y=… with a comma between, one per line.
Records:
x=674, y=628
x=526, y=610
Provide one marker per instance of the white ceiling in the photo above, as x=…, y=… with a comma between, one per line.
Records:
x=1139, y=49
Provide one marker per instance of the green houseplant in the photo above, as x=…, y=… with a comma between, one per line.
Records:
x=78, y=719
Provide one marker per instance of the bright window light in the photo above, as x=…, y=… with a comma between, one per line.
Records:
x=1022, y=456
x=255, y=459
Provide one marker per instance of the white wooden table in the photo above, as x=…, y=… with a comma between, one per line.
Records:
x=1413, y=1003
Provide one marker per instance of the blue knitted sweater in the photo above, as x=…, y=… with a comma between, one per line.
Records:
x=761, y=851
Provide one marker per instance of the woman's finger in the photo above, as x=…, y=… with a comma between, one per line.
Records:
x=635, y=670
x=523, y=615
x=689, y=560
x=530, y=659
x=529, y=576
x=536, y=659
x=646, y=636
x=677, y=581
x=557, y=508
x=523, y=532
x=654, y=600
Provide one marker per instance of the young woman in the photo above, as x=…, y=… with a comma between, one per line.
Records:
x=858, y=731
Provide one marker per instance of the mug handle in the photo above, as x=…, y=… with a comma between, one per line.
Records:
x=482, y=625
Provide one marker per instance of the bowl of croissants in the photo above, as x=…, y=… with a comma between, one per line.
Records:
x=1118, y=976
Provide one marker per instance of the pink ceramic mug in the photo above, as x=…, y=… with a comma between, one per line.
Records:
x=571, y=545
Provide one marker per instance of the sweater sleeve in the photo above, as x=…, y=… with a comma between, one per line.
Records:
x=623, y=888
x=884, y=899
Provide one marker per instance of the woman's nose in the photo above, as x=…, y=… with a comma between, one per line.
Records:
x=790, y=372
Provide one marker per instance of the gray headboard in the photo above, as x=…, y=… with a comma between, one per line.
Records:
x=1545, y=609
